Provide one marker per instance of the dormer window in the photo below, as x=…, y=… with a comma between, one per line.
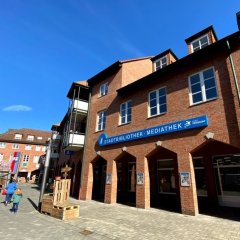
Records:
x=200, y=43
x=30, y=138
x=103, y=90
x=18, y=136
x=160, y=63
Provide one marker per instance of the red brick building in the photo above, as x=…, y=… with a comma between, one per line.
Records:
x=164, y=132
x=30, y=144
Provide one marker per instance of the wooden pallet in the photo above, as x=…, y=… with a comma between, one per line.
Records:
x=47, y=203
x=65, y=212
x=61, y=190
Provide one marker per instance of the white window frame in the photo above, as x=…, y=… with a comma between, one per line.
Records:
x=1, y=156
x=18, y=136
x=39, y=138
x=30, y=137
x=36, y=159
x=103, y=90
x=44, y=148
x=162, y=65
x=28, y=147
x=2, y=145
x=15, y=146
x=126, y=104
x=203, y=89
x=158, y=103
x=198, y=40
x=101, y=120
x=38, y=148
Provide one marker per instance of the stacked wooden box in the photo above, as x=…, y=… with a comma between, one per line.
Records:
x=57, y=204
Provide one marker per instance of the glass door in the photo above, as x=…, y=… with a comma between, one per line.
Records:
x=227, y=173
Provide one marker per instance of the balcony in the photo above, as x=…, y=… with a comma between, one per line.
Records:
x=74, y=141
x=80, y=106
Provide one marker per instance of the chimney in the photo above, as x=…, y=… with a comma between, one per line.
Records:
x=238, y=20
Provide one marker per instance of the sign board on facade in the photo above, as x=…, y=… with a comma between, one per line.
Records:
x=178, y=126
x=185, y=179
x=140, y=178
x=108, y=178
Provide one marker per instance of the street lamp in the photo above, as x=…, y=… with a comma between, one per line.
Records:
x=45, y=174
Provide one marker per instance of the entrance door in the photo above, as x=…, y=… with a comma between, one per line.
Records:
x=227, y=173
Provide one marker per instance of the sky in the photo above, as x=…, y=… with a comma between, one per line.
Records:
x=45, y=45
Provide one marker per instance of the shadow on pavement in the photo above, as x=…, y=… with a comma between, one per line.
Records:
x=33, y=203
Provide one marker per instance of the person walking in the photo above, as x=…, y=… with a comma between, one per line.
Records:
x=11, y=187
x=16, y=200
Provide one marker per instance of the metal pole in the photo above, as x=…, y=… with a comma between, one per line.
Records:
x=45, y=174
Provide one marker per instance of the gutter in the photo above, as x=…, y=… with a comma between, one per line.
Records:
x=234, y=72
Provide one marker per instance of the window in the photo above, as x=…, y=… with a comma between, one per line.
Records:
x=39, y=138
x=157, y=102
x=103, y=89
x=18, y=136
x=202, y=86
x=44, y=149
x=165, y=176
x=30, y=138
x=1, y=156
x=2, y=145
x=101, y=121
x=38, y=148
x=35, y=159
x=160, y=63
x=200, y=43
x=126, y=112
x=15, y=146
x=28, y=147
x=25, y=161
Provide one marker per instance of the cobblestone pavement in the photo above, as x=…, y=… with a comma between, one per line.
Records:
x=104, y=221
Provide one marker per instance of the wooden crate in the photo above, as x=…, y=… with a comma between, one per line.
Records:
x=47, y=204
x=61, y=191
x=65, y=212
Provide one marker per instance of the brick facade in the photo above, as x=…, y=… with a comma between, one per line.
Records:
x=223, y=114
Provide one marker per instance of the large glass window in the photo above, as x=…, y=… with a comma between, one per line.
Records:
x=160, y=63
x=126, y=112
x=166, y=176
x=202, y=86
x=200, y=43
x=25, y=161
x=200, y=176
x=157, y=102
x=101, y=120
x=103, y=89
x=132, y=177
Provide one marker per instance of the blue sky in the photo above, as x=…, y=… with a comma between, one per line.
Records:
x=48, y=44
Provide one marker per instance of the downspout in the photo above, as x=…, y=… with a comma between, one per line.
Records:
x=234, y=72
x=84, y=146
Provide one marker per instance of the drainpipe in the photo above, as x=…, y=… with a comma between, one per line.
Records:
x=234, y=72
x=84, y=147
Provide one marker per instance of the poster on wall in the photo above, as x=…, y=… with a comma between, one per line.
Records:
x=108, y=178
x=140, y=178
x=185, y=179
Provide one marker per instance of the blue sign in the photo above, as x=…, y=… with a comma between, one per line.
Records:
x=183, y=125
x=69, y=152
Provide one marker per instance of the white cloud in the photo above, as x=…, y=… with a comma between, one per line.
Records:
x=17, y=108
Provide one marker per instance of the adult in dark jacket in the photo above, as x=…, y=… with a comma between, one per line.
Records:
x=11, y=187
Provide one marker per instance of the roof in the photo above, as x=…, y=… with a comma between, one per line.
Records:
x=111, y=70
x=84, y=90
x=9, y=136
x=181, y=64
x=201, y=33
x=164, y=54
